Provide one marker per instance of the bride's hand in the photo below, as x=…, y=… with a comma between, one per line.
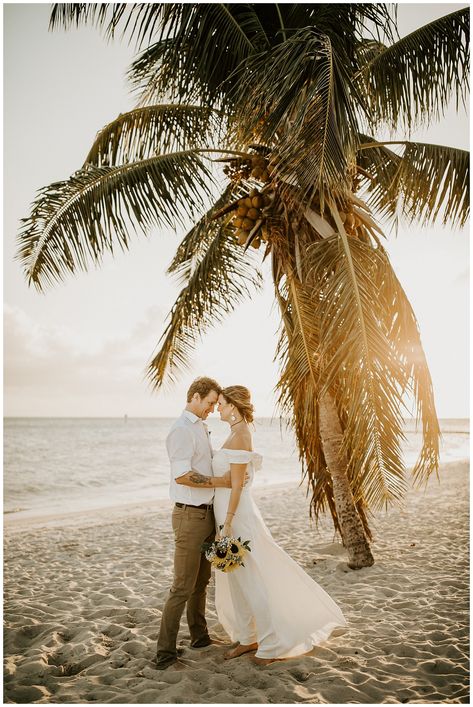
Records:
x=227, y=531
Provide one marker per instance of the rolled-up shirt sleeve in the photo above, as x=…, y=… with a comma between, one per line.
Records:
x=180, y=448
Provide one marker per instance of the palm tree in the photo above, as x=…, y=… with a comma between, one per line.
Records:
x=259, y=122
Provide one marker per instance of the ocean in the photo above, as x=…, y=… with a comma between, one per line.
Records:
x=59, y=465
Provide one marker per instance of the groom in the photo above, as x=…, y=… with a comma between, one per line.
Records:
x=192, y=490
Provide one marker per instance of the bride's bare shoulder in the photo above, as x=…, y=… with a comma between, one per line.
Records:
x=241, y=441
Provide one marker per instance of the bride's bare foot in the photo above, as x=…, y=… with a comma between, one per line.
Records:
x=240, y=649
x=263, y=661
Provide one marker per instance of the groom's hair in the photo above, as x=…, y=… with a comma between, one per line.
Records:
x=203, y=386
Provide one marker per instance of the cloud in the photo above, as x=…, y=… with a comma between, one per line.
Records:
x=47, y=371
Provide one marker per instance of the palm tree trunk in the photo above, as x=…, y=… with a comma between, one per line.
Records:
x=353, y=534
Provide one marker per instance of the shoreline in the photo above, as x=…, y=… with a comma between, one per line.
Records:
x=17, y=521
x=23, y=520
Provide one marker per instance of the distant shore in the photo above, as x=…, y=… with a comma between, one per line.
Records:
x=83, y=598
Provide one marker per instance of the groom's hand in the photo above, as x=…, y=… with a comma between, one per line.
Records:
x=228, y=479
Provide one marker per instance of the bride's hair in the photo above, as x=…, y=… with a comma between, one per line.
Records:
x=240, y=397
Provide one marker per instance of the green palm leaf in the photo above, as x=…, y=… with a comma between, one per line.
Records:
x=424, y=182
x=141, y=21
x=221, y=277
x=413, y=80
x=78, y=219
x=197, y=240
x=150, y=130
x=296, y=98
x=198, y=48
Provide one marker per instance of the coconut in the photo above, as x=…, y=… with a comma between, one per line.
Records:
x=247, y=224
x=254, y=193
x=256, y=172
x=350, y=220
x=237, y=222
x=248, y=203
x=241, y=236
x=241, y=211
x=253, y=214
x=256, y=243
x=257, y=202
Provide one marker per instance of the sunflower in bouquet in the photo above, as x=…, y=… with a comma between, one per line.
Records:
x=226, y=554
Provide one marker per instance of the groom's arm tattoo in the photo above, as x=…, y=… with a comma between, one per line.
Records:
x=200, y=479
x=193, y=478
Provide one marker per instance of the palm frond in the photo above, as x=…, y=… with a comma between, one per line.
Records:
x=412, y=81
x=150, y=130
x=367, y=50
x=138, y=21
x=298, y=393
x=197, y=240
x=343, y=22
x=424, y=182
x=199, y=46
x=357, y=360
x=403, y=331
x=296, y=98
x=370, y=356
x=78, y=219
x=220, y=277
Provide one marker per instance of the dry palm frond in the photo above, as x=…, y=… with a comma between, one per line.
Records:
x=298, y=388
x=370, y=356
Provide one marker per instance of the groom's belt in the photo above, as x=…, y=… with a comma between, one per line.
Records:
x=207, y=506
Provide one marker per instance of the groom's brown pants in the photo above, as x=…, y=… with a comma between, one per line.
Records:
x=192, y=527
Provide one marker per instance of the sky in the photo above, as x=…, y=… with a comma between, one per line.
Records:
x=82, y=348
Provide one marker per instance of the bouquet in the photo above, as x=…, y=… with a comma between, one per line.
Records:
x=226, y=554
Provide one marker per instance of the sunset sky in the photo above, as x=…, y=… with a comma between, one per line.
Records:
x=82, y=348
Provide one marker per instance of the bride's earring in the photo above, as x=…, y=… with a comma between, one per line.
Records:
x=232, y=417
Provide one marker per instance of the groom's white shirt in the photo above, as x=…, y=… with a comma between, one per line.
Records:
x=188, y=447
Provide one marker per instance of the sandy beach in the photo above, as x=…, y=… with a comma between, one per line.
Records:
x=83, y=596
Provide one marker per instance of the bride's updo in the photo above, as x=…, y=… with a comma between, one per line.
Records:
x=240, y=397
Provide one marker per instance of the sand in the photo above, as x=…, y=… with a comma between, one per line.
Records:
x=83, y=596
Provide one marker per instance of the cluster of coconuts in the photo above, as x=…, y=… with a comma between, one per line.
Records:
x=247, y=167
x=247, y=215
x=351, y=222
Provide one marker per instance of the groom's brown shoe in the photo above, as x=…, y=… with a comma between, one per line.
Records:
x=163, y=663
x=202, y=642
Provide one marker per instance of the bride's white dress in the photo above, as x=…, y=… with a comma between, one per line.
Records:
x=271, y=600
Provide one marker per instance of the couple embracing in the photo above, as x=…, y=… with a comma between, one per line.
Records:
x=269, y=605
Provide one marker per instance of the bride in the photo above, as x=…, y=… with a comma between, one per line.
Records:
x=270, y=605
